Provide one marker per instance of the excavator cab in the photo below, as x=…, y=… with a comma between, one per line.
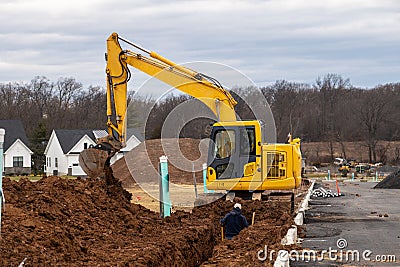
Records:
x=238, y=160
x=234, y=157
x=233, y=151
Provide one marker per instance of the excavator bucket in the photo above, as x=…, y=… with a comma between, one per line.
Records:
x=93, y=161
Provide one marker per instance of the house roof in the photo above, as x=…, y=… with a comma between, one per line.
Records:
x=69, y=138
x=14, y=130
x=135, y=132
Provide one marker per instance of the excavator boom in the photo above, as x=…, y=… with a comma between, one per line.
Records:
x=198, y=85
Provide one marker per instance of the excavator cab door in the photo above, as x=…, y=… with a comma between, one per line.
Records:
x=232, y=152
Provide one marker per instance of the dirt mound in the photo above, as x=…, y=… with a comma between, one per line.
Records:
x=79, y=222
x=392, y=181
x=141, y=163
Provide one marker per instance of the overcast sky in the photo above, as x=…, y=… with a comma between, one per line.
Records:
x=296, y=40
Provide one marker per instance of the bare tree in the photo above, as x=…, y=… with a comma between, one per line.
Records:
x=373, y=112
x=331, y=87
x=41, y=92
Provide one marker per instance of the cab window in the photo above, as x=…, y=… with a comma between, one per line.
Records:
x=224, y=144
x=247, y=141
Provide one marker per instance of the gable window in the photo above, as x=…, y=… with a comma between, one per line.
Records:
x=49, y=162
x=84, y=145
x=56, y=162
x=18, y=161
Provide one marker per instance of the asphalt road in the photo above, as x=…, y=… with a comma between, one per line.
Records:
x=356, y=219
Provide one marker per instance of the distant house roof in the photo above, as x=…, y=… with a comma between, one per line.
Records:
x=69, y=138
x=135, y=132
x=14, y=130
x=100, y=133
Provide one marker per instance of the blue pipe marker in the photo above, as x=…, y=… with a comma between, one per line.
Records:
x=2, y=200
x=164, y=190
x=206, y=191
x=352, y=176
x=329, y=175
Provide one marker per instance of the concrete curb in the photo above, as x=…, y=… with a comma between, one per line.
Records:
x=303, y=206
x=291, y=236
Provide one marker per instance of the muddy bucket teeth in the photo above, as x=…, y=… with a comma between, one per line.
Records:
x=92, y=161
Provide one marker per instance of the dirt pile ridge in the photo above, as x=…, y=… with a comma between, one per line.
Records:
x=143, y=161
x=62, y=222
x=392, y=181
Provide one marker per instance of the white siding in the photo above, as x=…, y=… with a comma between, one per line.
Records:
x=53, y=151
x=18, y=149
x=73, y=155
x=80, y=145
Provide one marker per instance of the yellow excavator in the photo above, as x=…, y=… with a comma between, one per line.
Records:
x=238, y=160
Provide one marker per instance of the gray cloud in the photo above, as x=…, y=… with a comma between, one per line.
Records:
x=266, y=40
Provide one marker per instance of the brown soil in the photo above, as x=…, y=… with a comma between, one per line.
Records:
x=272, y=222
x=61, y=222
x=141, y=163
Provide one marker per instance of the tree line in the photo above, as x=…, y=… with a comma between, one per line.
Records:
x=329, y=110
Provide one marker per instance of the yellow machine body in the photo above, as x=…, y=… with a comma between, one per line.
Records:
x=261, y=167
x=237, y=160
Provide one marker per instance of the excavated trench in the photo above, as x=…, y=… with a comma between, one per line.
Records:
x=62, y=222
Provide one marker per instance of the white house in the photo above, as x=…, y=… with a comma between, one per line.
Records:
x=64, y=146
x=17, y=155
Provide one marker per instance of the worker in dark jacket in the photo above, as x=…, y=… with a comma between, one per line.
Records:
x=234, y=222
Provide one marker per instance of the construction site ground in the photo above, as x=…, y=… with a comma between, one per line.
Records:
x=65, y=222
x=182, y=196
x=367, y=219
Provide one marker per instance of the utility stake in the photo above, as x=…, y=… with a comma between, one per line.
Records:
x=222, y=233
x=165, y=201
x=194, y=180
x=252, y=219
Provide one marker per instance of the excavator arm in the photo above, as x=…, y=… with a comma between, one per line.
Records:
x=198, y=85
x=190, y=82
